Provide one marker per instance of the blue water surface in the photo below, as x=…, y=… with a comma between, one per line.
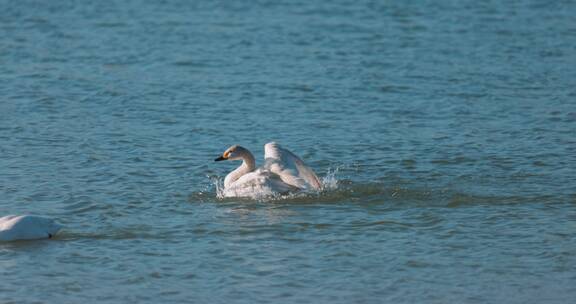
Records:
x=449, y=126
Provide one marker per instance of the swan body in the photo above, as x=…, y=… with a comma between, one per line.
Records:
x=27, y=227
x=282, y=172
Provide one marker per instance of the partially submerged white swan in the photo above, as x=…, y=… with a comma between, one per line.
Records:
x=282, y=172
x=27, y=227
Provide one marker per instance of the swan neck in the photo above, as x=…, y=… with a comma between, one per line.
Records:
x=248, y=165
x=248, y=161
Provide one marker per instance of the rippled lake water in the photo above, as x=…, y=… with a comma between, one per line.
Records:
x=449, y=126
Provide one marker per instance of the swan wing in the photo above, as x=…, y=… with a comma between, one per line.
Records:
x=256, y=184
x=289, y=167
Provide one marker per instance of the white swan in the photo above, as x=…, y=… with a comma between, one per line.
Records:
x=27, y=227
x=281, y=173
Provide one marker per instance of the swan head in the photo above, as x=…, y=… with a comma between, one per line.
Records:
x=233, y=153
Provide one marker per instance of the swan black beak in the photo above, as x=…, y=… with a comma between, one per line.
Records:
x=220, y=158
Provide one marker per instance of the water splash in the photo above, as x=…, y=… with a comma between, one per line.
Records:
x=329, y=183
x=218, y=186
